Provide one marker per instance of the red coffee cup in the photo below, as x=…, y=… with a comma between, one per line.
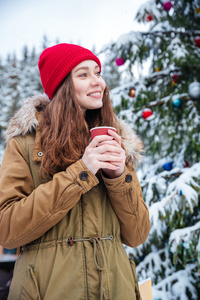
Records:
x=100, y=131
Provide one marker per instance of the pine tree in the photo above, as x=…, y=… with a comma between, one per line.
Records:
x=164, y=108
x=111, y=74
x=45, y=42
x=19, y=79
x=25, y=53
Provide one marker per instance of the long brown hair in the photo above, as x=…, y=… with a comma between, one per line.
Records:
x=65, y=128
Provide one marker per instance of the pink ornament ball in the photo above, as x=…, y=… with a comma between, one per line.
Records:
x=167, y=5
x=119, y=61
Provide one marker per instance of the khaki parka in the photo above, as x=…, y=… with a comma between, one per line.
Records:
x=71, y=228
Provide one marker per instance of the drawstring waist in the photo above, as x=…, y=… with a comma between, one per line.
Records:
x=98, y=253
x=71, y=240
x=99, y=257
x=38, y=244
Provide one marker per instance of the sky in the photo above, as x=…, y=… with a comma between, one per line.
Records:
x=86, y=22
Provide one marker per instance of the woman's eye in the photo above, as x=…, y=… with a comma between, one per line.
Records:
x=83, y=75
x=98, y=73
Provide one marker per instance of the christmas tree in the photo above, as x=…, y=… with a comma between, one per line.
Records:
x=159, y=95
x=163, y=107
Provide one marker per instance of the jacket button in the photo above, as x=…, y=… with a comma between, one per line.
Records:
x=83, y=176
x=128, y=178
x=40, y=154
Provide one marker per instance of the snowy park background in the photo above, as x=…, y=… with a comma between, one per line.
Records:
x=150, y=53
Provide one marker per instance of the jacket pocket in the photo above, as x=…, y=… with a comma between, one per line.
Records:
x=30, y=290
x=137, y=291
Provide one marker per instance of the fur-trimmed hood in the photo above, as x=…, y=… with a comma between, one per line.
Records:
x=24, y=121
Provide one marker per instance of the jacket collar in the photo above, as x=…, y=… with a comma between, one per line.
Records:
x=27, y=118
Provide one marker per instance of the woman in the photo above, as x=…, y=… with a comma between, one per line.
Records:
x=67, y=201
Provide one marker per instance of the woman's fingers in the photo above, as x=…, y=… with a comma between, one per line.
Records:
x=109, y=166
x=109, y=157
x=108, y=148
x=104, y=152
x=116, y=136
x=98, y=139
x=112, y=142
x=95, y=161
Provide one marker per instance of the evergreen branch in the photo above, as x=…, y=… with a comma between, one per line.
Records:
x=164, y=284
x=179, y=234
x=153, y=76
x=158, y=33
x=161, y=74
x=169, y=32
x=168, y=200
x=3, y=127
x=156, y=103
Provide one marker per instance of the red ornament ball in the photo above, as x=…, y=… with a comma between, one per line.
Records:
x=149, y=18
x=167, y=5
x=175, y=77
x=197, y=41
x=119, y=61
x=147, y=112
x=187, y=164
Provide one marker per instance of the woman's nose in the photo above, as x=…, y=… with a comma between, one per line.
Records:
x=95, y=80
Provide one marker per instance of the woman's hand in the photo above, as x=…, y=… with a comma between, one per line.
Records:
x=105, y=152
x=121, y=164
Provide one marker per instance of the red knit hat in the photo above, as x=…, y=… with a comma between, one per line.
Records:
x=57, y=61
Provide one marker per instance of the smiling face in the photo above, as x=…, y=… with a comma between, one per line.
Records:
x=89, y=86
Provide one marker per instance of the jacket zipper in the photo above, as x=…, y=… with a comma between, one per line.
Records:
x=84, y=254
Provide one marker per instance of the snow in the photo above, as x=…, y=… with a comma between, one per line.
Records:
x=185, y=182
x=179, y=287
x=171, y=196
x=177, y=48
x=182, y=234
x=148, y=8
